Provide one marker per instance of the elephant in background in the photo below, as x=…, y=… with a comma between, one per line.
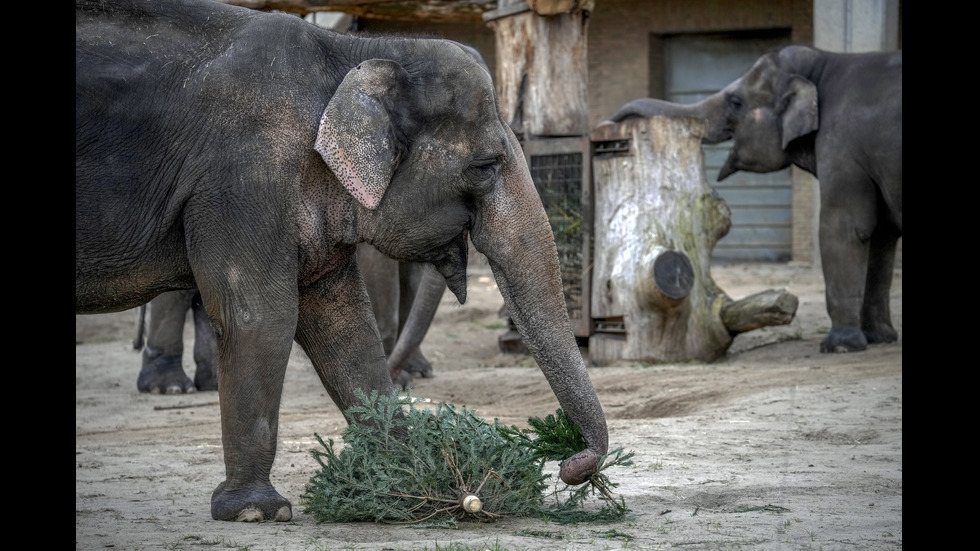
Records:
x=392, y=286
x=247, y=153
x=839, y=117
x=404, y=299
x=161, y=370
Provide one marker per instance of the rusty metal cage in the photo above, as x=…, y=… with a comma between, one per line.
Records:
x=561, y=170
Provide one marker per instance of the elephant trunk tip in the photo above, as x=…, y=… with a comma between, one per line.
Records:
x=579, y=467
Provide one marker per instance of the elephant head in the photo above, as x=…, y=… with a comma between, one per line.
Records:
x=762, y=112
x=431, y=163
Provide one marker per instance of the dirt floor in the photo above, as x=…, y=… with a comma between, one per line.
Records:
x=775, y=447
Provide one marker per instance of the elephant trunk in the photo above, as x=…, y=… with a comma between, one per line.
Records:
x=713, y=110
x=424, y=306
x=512, y=230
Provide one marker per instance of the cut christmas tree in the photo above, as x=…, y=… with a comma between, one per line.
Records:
x=402, y=464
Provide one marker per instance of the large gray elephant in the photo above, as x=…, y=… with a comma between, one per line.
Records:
x=246, y=154
x=399, y=292
x=839, y=117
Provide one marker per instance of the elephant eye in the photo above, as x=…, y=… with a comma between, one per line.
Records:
x=734, y=103
x=484, y=171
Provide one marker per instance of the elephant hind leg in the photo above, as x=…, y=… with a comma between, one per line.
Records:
x=881, y=333
x=418, y=365
x=876, y=322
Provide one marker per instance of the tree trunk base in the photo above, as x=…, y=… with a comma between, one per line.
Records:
x=656, y=224
x=772, y=307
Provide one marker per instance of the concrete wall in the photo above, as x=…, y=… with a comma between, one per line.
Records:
x=857, y=25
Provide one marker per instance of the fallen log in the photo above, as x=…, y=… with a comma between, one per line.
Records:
x=772, y=307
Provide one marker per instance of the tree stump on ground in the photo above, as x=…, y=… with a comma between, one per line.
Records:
x=656, y=224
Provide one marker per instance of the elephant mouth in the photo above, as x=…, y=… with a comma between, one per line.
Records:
x=730, y=167
x=452, y=265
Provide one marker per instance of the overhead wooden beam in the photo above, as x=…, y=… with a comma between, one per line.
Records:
x=436, y=11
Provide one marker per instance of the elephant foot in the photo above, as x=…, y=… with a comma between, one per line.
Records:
x=880, y=333
x=163, y=375
x=403, y=380
x=206, y=377
x=844, y=339
x=419, y=366
x=254, y=503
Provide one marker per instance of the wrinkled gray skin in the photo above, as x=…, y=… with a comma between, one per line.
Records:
x=246, y=154
x=839, y=117
x=392, y=287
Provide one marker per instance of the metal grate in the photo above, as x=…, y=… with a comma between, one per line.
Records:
x=558, y=179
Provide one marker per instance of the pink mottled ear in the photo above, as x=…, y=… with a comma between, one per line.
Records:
x=355, y=137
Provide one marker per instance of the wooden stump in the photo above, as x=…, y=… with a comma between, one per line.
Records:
x=656, y=223
x=542, y=67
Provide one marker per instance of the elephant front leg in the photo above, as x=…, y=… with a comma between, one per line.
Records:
x=844, y=234
x=380, y=275
x=844, y=294
x=338, y=332
x=252, y=367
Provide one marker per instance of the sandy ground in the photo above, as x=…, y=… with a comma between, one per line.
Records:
x=775, y=447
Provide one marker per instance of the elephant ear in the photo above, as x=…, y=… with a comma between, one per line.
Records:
x=356, y=137
x=797, y=109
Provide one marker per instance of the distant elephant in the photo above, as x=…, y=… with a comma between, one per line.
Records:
x=246, y=153
x=405, y=359
x=397, y=289
x=839, y=117
x=161, y=370
x=392, y=287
